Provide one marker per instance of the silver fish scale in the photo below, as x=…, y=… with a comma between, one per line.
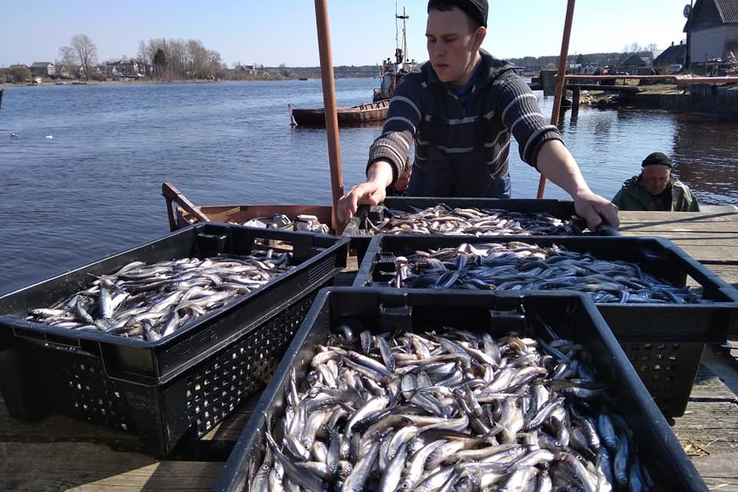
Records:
x=515, y=265
x=445, y=220
x=150, y=301
x=461, y=411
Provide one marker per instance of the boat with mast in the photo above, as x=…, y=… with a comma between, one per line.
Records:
x=376, y=111
x=391, y=72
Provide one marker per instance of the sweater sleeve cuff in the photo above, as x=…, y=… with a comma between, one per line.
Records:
x=385, y=155
x=546, y=136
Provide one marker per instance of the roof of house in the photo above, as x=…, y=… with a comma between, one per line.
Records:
x=40, y=64
x=672, y=54
x=728, y=10
x=637, y=60
x=707, y=12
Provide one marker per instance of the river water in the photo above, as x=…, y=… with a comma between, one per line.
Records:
x=94, y=188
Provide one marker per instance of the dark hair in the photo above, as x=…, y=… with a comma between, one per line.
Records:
x=446, y=7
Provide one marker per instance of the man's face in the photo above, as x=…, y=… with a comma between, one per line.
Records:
x=451, y=45
x=655, y=178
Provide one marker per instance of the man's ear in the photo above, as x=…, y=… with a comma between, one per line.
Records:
x=478, y=37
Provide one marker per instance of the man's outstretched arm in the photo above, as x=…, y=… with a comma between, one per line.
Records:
x=557, y=164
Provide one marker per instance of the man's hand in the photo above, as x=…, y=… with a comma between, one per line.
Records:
x=593, y=208
x=372, y=192
x=369, y=193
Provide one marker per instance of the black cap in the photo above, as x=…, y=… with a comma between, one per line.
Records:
x=657, y=158
x=476, y=9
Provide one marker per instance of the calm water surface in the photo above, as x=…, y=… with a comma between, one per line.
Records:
x=94, y=189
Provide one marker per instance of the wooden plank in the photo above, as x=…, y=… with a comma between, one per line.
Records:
x=719, y=472
x=729, y=273
x=710, y=253
x=710, y=424
x=648, y=218
x=86, y=467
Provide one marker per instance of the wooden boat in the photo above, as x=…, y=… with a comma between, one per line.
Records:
x=347, y=116
x=182, y=212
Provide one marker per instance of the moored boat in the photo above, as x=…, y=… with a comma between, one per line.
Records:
x=347, y=116
x=182, y=212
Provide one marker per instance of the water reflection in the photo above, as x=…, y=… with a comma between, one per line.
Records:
x=705, y=158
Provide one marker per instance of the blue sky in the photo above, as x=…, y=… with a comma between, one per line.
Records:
x=283, y=31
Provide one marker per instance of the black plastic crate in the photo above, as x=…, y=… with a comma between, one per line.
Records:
x=176, y=389
x=573, y=315
x=674, y=334
x=360, y=232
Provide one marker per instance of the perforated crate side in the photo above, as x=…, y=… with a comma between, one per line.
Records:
x=667, y=369
x=77, y=386
x=320, y=270
x=212, y=390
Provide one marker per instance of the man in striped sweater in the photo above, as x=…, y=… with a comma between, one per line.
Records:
x=461, y=109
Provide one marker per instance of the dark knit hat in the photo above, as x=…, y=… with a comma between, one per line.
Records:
x=476, y=9
x=657, y=158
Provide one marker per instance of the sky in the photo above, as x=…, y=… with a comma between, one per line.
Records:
x=284, y=31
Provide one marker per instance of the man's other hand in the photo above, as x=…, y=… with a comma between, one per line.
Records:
x=594, y=209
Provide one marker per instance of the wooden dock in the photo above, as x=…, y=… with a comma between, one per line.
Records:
x=64, y=454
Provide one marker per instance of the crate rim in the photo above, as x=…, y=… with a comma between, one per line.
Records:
x=353, y=227
x=696, y=267
x=13, y=322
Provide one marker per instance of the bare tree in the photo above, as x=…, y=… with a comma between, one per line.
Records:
x=652, y=47
x=85, y=52
x=67, y=56
x=143, y=53
x=634, y=48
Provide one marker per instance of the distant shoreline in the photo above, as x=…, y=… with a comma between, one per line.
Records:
x=130, y=82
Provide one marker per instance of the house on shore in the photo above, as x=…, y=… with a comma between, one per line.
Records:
x=714, y=30
x=122, y=69
x=672, y=56
x=43, y=69
x=639, y=64
x=65, y=71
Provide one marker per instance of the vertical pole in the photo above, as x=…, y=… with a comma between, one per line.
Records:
x=688, y=56
x=575, y=98
x=329, y=101
x=560, y=77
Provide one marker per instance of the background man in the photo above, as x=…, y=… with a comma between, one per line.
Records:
x=460, y=109
x=655, y=189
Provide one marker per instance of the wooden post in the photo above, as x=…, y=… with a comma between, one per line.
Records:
x=576, y=97
x=561, y=77
x=329, y=101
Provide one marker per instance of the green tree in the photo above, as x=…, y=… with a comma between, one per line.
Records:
x=20, y=74
x=160, y=62
x=580, y=59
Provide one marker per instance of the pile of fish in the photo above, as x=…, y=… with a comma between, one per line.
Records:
x=303, y=222
x=459, y=411
x=152, y=301
x=442, y=219
x=516, y=265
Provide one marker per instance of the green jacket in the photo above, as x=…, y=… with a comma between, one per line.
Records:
x=633, y=196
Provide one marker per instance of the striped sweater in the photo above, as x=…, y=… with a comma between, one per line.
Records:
x=462, y=150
